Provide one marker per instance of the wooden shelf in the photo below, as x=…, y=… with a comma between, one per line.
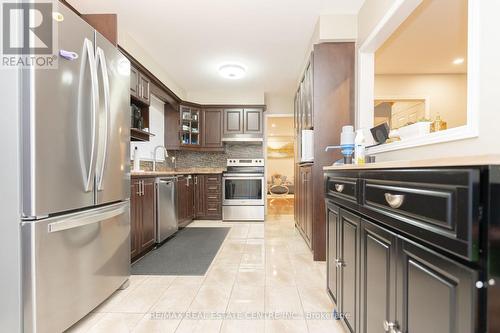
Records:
x=140, y=135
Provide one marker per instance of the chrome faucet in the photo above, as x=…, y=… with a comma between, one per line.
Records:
x=154, y=153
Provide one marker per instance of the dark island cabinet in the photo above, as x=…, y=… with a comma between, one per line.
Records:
x=436, y=294
x=378, y=287
x=385, y=278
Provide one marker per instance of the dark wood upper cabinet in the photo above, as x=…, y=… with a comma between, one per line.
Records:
x=134, y=82
x=253, y=122
x=233, y=121
x=171, y=125
x=144, y=89
x=139, y=87
x=190, y=126
x=212, y=128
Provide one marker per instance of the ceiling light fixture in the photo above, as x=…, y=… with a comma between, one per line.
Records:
x=458, y=61
x=232, y=71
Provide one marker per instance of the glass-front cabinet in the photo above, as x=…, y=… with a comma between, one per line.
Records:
x=190, y=126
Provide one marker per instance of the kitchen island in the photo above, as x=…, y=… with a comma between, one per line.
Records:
x=411, y=245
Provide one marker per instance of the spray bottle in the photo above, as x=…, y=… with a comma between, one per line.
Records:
x=359, y=148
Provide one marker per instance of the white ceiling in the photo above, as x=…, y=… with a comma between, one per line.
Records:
x=190, y=39
x=428, y=41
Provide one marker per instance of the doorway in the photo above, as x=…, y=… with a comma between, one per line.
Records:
x=280, y=152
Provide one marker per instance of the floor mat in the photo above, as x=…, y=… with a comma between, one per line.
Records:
x=189, y=252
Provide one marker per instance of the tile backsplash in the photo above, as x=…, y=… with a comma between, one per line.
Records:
x=192, y=159
x=195, y=159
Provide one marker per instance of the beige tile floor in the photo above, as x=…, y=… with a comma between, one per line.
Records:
x=260, y=268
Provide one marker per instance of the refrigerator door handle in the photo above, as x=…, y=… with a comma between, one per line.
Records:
x=90, y=58
x=87, y=218
x=103, y=144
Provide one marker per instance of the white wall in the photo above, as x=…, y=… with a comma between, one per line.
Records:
x=138, y=52
x=226, y=97
x=369, y=16
x=331, y=28
x=335, y=28
x=279, y=104
x=489, y=67
x=446, y=93
x=156, y=123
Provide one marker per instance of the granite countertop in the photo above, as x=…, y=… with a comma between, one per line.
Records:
x=190, y=171
x=436, y=162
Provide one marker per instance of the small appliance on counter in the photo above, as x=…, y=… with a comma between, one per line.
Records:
x=307, y=152
x=346, y=145
x=380, y=133
x=243, y=190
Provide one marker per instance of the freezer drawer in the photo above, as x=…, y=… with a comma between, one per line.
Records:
x=71, y=264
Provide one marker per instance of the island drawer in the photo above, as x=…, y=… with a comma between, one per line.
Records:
x=439, y=207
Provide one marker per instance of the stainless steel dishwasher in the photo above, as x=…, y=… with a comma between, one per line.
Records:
x=166, y=211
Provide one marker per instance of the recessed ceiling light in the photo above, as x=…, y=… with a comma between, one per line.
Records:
x=232, y=71
x=458, y=61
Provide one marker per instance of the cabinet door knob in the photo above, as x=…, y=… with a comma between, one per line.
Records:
x=339, y=187
x=391, y=327
x=339, y=263
x=394, y=200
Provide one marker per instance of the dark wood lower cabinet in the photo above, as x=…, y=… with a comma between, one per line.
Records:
x=379, y=255
x=333, y=251
x=142, y=216
x=208, y=196
x=304, y=202
x=436, y=293
x=381, y=281
x=348, y=263
x=185, y=200
x=199, y=197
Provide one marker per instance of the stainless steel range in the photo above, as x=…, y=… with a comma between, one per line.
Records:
x=244, y=190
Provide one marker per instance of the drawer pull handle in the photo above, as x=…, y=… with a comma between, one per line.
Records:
x=339, y=187
x=394, y=200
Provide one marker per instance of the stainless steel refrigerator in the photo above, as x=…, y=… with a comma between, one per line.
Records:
x=75, y=179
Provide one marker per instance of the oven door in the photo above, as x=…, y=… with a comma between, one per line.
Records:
x=243, y=190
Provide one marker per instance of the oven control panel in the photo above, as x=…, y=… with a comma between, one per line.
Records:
x=245, y=162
